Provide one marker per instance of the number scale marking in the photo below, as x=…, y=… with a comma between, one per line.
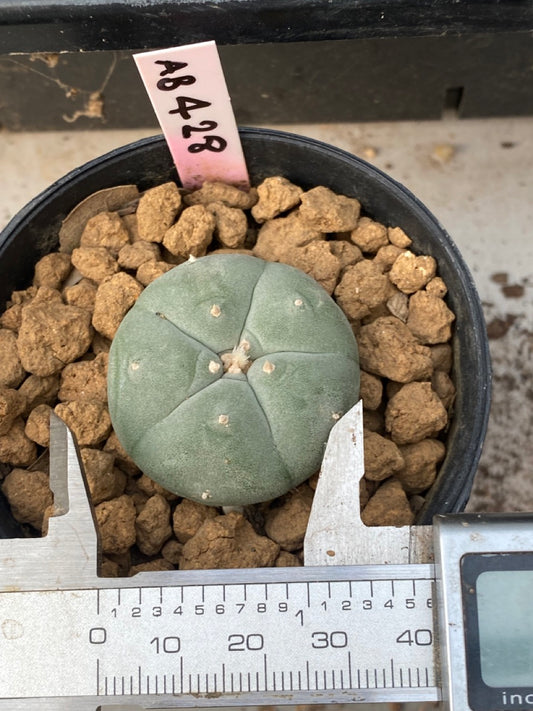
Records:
x=300, y=640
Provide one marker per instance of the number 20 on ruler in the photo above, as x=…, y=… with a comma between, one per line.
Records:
x=198, y=122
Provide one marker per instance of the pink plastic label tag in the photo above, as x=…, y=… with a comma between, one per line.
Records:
x=188, y=91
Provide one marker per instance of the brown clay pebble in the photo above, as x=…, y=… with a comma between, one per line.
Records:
x=386, y=256
x=116, y=521
x=52, y=270
x=172, y=551
x=131, y=256
x=420, y=464
x=52, y=335
x=105, y=481
x=49, y=513
x=374, y=421
x=371, y=391
x=139, y=499
x=287, y=560
x=130, y=222
x=228, y=542
x=362, y=288
x=429, y=318
x=15, y=447
x=226, y=250
x=369, y=235
x=414, y=413
x=12, y=404
x=105, y=229
x=443, y=385
x=382, y=457
x=313, y=480
x=388, y=507
x=188, y=517
x=88, y=419
x=388, y=348
x=437, y=287
x=81, y=294
x=398, y=238
x=100, y=344
x=365, y=488
x=150, y=488
x=85, y=380
x=192, y=233
x=46, y=295
x=346, y=253
x=286, y=524
x=123, y=562
x=39, y=390
x=317, y=260
x=276, y=195
x=29, y=495
x=95, y=263
x=442, y=356
x=115, y=198
x=12, y=372
x=411, y=273
x=153, y=525
x=23, y=297
x=214, y=191
x=38, y=425
x=109, y=569
x=279, y=237
x=328, y=212
x=114, y=299
x=157, y=210
x=231, y=225
x=151, y=270
x=10, y=319
x=122, y=459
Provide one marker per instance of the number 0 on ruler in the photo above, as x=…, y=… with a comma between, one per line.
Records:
x=188, y=91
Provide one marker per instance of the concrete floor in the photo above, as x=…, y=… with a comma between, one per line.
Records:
x=476, y=177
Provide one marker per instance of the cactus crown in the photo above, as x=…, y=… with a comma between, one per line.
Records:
x=227, y=375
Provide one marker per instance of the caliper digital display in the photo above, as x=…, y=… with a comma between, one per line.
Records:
x=485, y=610
x=498, y=611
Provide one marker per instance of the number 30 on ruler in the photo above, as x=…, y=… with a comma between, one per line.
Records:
x=188, y=91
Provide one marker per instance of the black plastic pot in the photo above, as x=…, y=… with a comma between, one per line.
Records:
x=34, y=232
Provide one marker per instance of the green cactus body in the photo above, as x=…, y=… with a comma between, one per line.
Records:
x=226, y=377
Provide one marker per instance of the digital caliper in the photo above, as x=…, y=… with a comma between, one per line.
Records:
x=376, y=614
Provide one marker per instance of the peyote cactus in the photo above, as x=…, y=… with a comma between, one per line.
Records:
x=226, y=377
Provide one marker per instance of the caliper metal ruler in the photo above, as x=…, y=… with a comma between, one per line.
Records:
x=359, y=623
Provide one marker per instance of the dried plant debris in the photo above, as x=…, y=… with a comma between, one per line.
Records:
x=109, y=200
x=55, y=335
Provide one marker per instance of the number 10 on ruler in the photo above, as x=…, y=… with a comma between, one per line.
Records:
x=188, y=91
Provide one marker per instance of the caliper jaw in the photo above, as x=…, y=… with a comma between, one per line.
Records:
x=335, y=533
x=68, y=556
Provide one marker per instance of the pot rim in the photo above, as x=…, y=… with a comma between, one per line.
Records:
x=449, y=498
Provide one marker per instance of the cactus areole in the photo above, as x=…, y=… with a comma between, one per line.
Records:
x=226, y=377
